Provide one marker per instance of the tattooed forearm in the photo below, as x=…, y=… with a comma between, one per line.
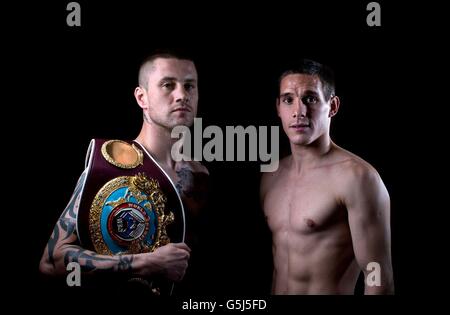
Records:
x=74, y=256
x=92, y=262
x=125, y=263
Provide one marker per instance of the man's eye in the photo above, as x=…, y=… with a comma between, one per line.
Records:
x=168, y=85
x=189, y=86
x=309, y=100
x=288, y=100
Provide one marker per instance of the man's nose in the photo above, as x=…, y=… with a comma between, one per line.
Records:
x=300, y=109
x=181, y=95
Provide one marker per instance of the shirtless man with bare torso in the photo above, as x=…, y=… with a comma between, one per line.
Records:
x=328, y=210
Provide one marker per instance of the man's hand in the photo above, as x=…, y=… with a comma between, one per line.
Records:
x=64, y=247
x=170, y=260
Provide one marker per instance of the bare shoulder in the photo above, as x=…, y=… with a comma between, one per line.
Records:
x=354, y=167
x=356, y=175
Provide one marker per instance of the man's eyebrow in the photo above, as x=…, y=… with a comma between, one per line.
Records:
x=311, y=92
x=168, y=79
x=175, y=79
x=286, y=94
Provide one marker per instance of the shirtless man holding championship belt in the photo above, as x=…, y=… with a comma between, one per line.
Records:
x=128, y=213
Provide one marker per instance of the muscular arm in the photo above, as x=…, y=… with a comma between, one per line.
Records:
x=368, y=208
x=63, y=247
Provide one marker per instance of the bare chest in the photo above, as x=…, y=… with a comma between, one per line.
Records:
x=303, y=205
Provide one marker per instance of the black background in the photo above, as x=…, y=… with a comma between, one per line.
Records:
x=79, y=85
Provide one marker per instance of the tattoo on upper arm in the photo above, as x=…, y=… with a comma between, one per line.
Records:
x=52, y=243
x=68, y=226
x=66, y=222
x=70, y=209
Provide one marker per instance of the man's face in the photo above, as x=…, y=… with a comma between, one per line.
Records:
x=171, y=96
x=304, y=112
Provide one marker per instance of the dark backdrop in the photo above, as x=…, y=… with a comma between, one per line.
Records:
x=80, y=83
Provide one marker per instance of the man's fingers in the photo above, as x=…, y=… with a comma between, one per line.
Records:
x=182, y=246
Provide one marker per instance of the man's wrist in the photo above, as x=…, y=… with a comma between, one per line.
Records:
x=145, y=265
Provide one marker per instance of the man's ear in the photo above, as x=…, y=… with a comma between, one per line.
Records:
x=141, y=97
x=334, y=106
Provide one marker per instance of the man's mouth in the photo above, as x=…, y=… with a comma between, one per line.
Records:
x=181, y=109
x=300, y=126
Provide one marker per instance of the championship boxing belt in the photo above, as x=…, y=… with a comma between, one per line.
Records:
x=129, y=204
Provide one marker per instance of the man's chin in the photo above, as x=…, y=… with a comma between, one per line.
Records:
x=300, y=140
x=183, y=122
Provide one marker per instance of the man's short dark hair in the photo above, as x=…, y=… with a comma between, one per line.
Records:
x=311, y=67
x=147, y=63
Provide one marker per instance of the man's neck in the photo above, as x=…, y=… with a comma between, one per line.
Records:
x=157, y=141
x=308, y=156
